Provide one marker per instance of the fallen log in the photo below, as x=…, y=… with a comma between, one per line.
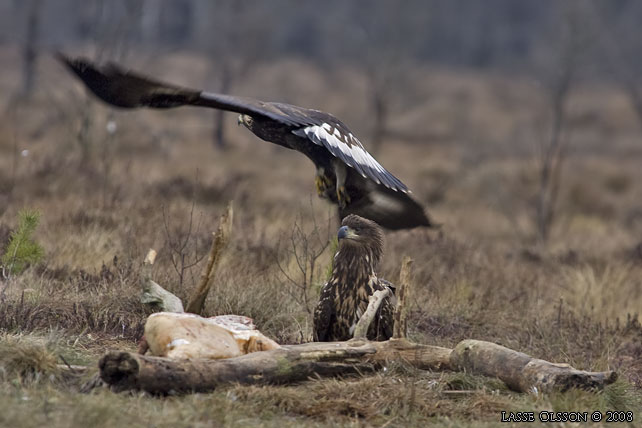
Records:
x=295, y=363
x=522, y=372
x=288, y=364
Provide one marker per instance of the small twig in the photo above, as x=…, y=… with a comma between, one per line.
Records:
x=401, y=313
x=374, y=302
x=66, y=363
x=179, y=246
x=461, y=392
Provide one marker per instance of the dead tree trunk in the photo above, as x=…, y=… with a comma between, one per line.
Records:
x=522, y=372
x=289, y=364
x=124, y=370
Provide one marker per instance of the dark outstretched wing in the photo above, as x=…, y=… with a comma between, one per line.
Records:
x=324, y=314
x=390, y=209
x=126, y=89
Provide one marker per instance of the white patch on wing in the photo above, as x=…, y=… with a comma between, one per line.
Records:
x=350, y=150
x=353, y=151
x=358, y=155
x=386, y=202
x=365, y=158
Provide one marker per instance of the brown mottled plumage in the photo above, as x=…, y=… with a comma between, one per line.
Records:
x=344, y=298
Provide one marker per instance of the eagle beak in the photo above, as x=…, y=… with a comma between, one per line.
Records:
x=346, y=233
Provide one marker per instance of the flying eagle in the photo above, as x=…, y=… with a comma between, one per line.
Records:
x=344, y=298
x=346, y=174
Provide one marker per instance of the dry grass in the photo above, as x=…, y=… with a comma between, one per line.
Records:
x=481, y=276
x=26, y=359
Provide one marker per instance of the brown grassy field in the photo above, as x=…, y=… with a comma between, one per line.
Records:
x=106, y=198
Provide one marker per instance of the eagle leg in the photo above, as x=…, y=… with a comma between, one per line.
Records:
x=323, y=183
x=341, y=173
x=342, y=196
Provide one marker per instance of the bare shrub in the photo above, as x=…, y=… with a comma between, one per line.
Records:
x=300, y=261
x=183, y=244
x=552, y=151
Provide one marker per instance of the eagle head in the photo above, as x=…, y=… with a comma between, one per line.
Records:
x=358, y=232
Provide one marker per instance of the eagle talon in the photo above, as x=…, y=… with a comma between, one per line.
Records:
x=342, y=196
x=323, y=183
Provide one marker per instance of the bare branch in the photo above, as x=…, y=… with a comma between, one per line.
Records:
x=219, y=243
x=374, y=302
x=401, y=312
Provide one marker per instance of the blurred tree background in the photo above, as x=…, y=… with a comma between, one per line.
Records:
x=399, y=52
x=374, y=34
x=382, y=38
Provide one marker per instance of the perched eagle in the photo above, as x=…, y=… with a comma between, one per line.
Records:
x=344, y=298
x=346, y=174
